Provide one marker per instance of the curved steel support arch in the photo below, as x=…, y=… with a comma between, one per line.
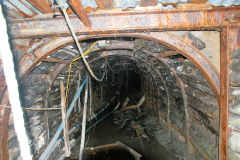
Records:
x=168, y=39
x=185, y=48
x=164, y=62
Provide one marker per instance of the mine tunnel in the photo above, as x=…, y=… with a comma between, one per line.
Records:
x=120, y=81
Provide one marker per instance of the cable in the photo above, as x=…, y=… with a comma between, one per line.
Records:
x=72, y=62
x=84, y=120
x=70, y=67
x=79, y=98
x=76, y=40
x=90, y=97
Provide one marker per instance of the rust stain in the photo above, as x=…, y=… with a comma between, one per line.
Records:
x=20, y=11
x=145, y=3
x=106, y=22
x=42, y=5
x=105, y=4
x=4, y=119
x=80, y=11
x=224, y=97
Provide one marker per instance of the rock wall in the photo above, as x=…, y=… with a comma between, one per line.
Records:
x=234, y=106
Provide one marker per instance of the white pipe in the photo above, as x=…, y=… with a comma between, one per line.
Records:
x=79, y=98
x=12, y=84
x=84, y=120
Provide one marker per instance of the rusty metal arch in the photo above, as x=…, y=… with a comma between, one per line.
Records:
x=28, y=62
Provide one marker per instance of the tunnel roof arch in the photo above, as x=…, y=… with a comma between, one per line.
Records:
x=28, y=63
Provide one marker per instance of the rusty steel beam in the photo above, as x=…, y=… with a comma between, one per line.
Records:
x=224, y=103
x=42, y=5
x=144, y=3
x=4, y=120
x=34, y=12
x=105, y=4
x=20, y=11
x=80, y=11
x=127, y=21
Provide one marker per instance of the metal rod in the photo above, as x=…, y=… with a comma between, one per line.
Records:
x=76, y=41
x=64, y=121
x=42, y=6
x=79, y=98
x=80, y=11
x=34, y=12
x=21, y=12
x=84, y=120
x=59, y=141
x=49, y=149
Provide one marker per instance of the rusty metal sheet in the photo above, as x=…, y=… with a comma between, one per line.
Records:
x=80, y=11
x=43, y=6
x=105, y=4
x=145, y=3
x=126, y=21
x=20, y=11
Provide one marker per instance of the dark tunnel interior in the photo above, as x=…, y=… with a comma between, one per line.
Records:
x=140, y=102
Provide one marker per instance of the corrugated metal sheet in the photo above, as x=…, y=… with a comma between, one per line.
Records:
x=124, y=4
x=224, y=2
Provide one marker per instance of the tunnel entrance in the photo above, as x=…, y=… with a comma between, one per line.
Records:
x=151, y=98
x=151, y=117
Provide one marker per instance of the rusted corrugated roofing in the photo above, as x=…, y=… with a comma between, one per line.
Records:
x=28, y=8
